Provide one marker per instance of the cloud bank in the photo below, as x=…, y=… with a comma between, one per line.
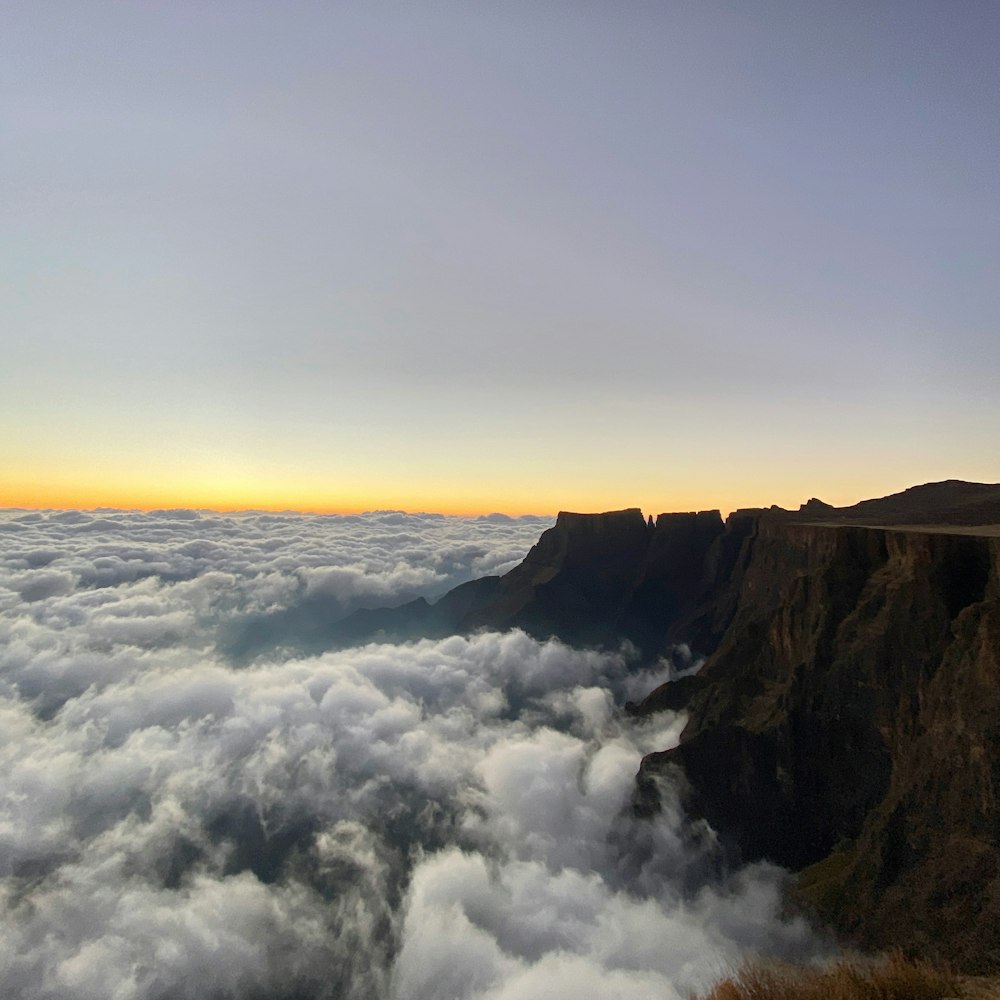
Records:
x=436, y=819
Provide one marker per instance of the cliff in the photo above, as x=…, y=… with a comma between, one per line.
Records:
x=598, y=579
x=590, y=580
x=848, y=726
x=846, y=723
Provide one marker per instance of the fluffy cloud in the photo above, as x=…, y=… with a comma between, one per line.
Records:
x=390, y=556
x=113, y=585
x=437, y=819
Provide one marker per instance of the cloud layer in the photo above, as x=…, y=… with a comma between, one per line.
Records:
x=435, y=819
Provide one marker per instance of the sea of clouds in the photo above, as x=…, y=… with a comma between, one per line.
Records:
x=437, y=819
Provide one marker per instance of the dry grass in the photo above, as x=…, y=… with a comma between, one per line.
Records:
x=889, y=978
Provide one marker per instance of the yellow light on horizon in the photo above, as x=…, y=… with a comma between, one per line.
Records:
x=475, y=500
x=214, y=483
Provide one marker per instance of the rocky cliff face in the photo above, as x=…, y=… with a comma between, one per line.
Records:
x=848, y=724
x=576, y=580
x=590, y=580
x=596, y=579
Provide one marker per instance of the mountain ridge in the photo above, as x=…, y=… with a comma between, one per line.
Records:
x=846, y=722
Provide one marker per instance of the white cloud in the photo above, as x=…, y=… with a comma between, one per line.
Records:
x=442, y=818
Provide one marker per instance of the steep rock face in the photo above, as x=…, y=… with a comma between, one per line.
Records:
x=595, y=579
x=849, y=720
x=928, y=857
x=590, y=580
x=714, y=601
x=672, y=579
x=575, y=580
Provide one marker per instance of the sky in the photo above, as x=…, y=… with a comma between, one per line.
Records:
x=438, y=820
x=513, y=257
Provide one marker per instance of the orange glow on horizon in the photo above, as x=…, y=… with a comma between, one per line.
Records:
x=513, y=498
x=222, y=501
x=510, y=502
x=514, y=506
x=68, y=499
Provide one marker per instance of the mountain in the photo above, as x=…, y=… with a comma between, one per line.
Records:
x=590, y=580
x=846, y=722
x=951, y=503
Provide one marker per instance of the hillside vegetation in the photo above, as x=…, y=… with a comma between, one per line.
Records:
x=891, y=977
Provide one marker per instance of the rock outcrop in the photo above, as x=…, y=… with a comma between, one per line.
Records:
x=846, y=723
x=599, y=579
x=590, y=580
x=576, y=581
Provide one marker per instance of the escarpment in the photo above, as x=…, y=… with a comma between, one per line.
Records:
x=590, y=580
x=847, y=725
x=598, y=579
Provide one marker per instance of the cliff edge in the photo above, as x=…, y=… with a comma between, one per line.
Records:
x=599, y=579
x=847, y=723
x=590, y=580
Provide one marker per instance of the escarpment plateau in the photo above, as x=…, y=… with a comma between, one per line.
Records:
x=847, y=725
x=590, y=580
x=846, y=722
x=598, y=579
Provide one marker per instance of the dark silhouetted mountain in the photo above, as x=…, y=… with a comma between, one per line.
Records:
x=590, y=580
x=598, y=579
x=847, y=723
x=951, y=502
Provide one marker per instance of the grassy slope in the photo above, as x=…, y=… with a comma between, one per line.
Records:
x=891, y=977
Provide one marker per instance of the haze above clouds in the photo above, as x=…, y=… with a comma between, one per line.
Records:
x=437, y=819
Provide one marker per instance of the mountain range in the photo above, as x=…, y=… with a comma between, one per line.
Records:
x=846, y=721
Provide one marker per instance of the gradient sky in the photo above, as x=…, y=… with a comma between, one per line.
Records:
x=496, y=256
